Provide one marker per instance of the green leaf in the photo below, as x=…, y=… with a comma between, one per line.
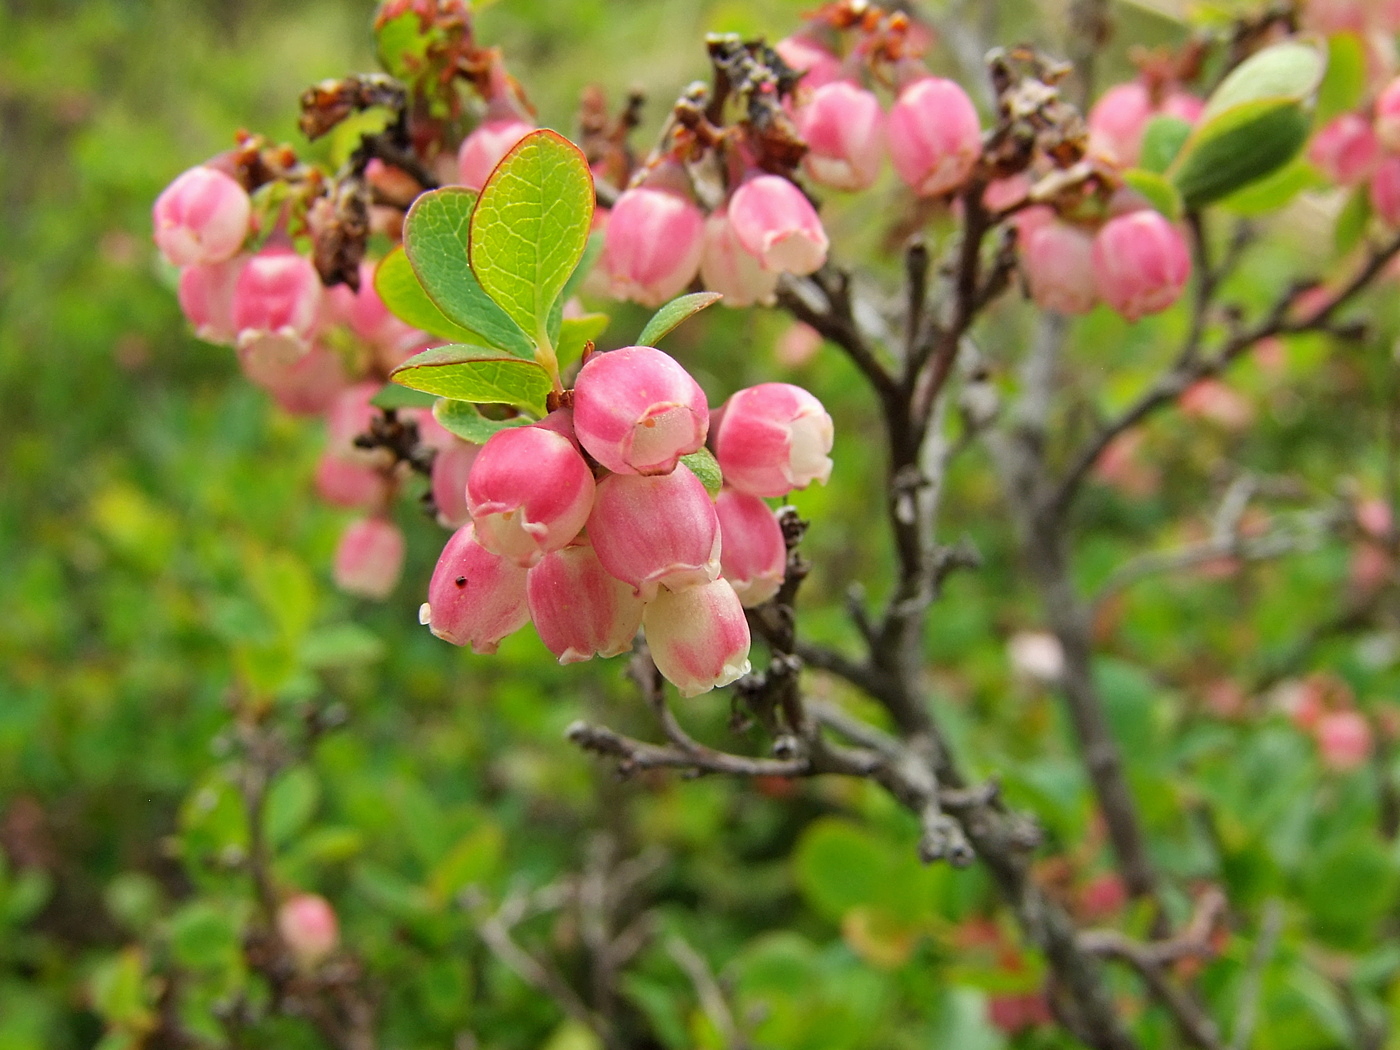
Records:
x=1251, y=141
x=341, y=645
x=391, y=395
x=840, y=866
x=203, y=936
x=463, y=419
x=474, y=859
x=477, y=373
x=705, y=467
x=575, y=333
x=1162, y=141
x=1290, y=71
x=435, y=240
x=591, y=251
x=402, y=293
x=1274, y=191
x=1160, y=193
x=291, y=802
x=1352, y=221
x=1255, y=122
x=673, y=313
x=530, y=226
x=1345, y=82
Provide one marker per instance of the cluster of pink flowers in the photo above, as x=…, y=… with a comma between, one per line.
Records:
x=1136, y=263
x=589, y=524
x=307, y=346
x=658, y=239
x=1355, y=149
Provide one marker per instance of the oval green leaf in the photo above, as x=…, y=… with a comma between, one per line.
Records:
x=463, y=419
x=405, y=298
x=673, y=313
x=1290, y=71
x=476, y=373
x=530, y=226
x=435, y=240
x=1248, y=143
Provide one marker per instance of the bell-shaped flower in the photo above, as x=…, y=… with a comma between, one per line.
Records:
x=844, y=128
x=1141, y=263
x=775, y=222
x=637, y=411
x=579, y=608
x=934, y=135
x=206, y=298
x=652, y=244
x=772, y=438
x=475, y=598
x=202, y=217
x=1057, y=258
x=729, y=268
x=698, y=637
x=658, y=531
x=307, y=924
x=753, y=554
x=369, y=559
x=1345, y=150
x=451, y=467
x=529, y=492
x=351, y=483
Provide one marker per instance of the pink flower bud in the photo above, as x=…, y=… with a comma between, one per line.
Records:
x=475, y=597
x=1141, y=263
x=369, y=559
x=1117, y=121
x=279, y=293
x=206, y=297
x=658, y=531
x=529, y=493
x=307, y=925
x=311, y=384
x=726, y=267
x=202, y=217
x=350, y=415
x=698, y=636
x=451, y=468
x=1388, y=117
x=637, y=411
x=772, y=438
x=777, y=223
x=935, y=136
x=578, y=608
x=844, y=129
x=810, y=58
x=1344, y=739
x=1385, y=191
x=753, y=555
x=365, y=314
x=652, y=245
x=485, y=147
x=347, y=483
x=1058, y=260
x=1345, y=150
x=1183, y=106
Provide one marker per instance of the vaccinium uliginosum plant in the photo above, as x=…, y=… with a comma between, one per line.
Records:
x=426, y=299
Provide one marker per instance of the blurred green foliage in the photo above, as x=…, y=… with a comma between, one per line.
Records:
x=165, y=564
